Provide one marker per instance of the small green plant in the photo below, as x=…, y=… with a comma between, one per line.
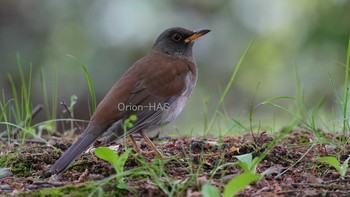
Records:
x=247, y=163
x=116, y=161
x=234, y=186
x=112, y=157
x=17, y=110
x=332, y=161
x=239, y=182
x=73, y=101
x=128, y=123
x=91, y=88
x=20, y=106
x=4, y=116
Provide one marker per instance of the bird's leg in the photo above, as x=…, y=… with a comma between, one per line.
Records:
x=137, y=149
x=150, y=143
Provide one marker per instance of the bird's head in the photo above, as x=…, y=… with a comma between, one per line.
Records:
x=177, y=41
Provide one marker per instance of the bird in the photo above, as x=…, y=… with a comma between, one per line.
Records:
x=155, y=89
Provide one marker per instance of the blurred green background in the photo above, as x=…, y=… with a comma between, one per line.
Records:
x=109, y=36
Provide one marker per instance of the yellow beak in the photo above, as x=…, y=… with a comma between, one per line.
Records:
x=197, y=34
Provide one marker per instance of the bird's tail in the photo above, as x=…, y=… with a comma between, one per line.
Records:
x=91, y=133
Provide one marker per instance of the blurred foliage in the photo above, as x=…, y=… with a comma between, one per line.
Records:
x=108, y=36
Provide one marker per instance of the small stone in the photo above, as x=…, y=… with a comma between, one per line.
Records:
x=5, y=187
x=5, y=172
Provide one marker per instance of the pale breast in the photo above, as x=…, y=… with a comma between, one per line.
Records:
x=178, y=105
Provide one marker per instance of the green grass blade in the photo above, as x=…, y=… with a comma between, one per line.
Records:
x=228, y=86
x=23, y=87
x=252, y=109
x=270, y=100
x=335, y=92
x=299, y=93
x=91, y=89
x=27, y=95
x=268, y=147
x=346, y=91
x=295, y=163
x=54, y=93
x=44, y=92
x=17, y=110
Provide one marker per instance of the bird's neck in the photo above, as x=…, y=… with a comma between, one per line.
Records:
x=188, y=57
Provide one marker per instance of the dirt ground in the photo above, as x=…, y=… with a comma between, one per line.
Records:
x=294, y=171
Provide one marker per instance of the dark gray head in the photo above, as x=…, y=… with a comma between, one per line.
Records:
x=177, y=41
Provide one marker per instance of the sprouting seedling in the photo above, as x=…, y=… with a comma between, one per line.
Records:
x=334, y=162
x=70, y=110
x=239, y=182
x=73, y=101
x=235, y=185
x=247, y=163
x=110, y=156
x=128, y=123
x=117, y=161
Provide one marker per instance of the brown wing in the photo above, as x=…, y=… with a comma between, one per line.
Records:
x=161, y=84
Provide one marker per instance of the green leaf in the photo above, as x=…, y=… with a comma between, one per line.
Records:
x=331, y=161
x=47, y=126
x=243, y=166
x=238, y=183
x=122, y=185
x=31, y=130
x=344, y=167
x=247, y=160
x=210, y=191
x=108, y=155
x=73, y=101
x=128, y=123
x=121, y=161
x=255, y=163
x=133, y=118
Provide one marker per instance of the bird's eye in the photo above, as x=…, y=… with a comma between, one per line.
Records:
x=176, y=37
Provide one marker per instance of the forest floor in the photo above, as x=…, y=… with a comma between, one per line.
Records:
x=190, y=163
